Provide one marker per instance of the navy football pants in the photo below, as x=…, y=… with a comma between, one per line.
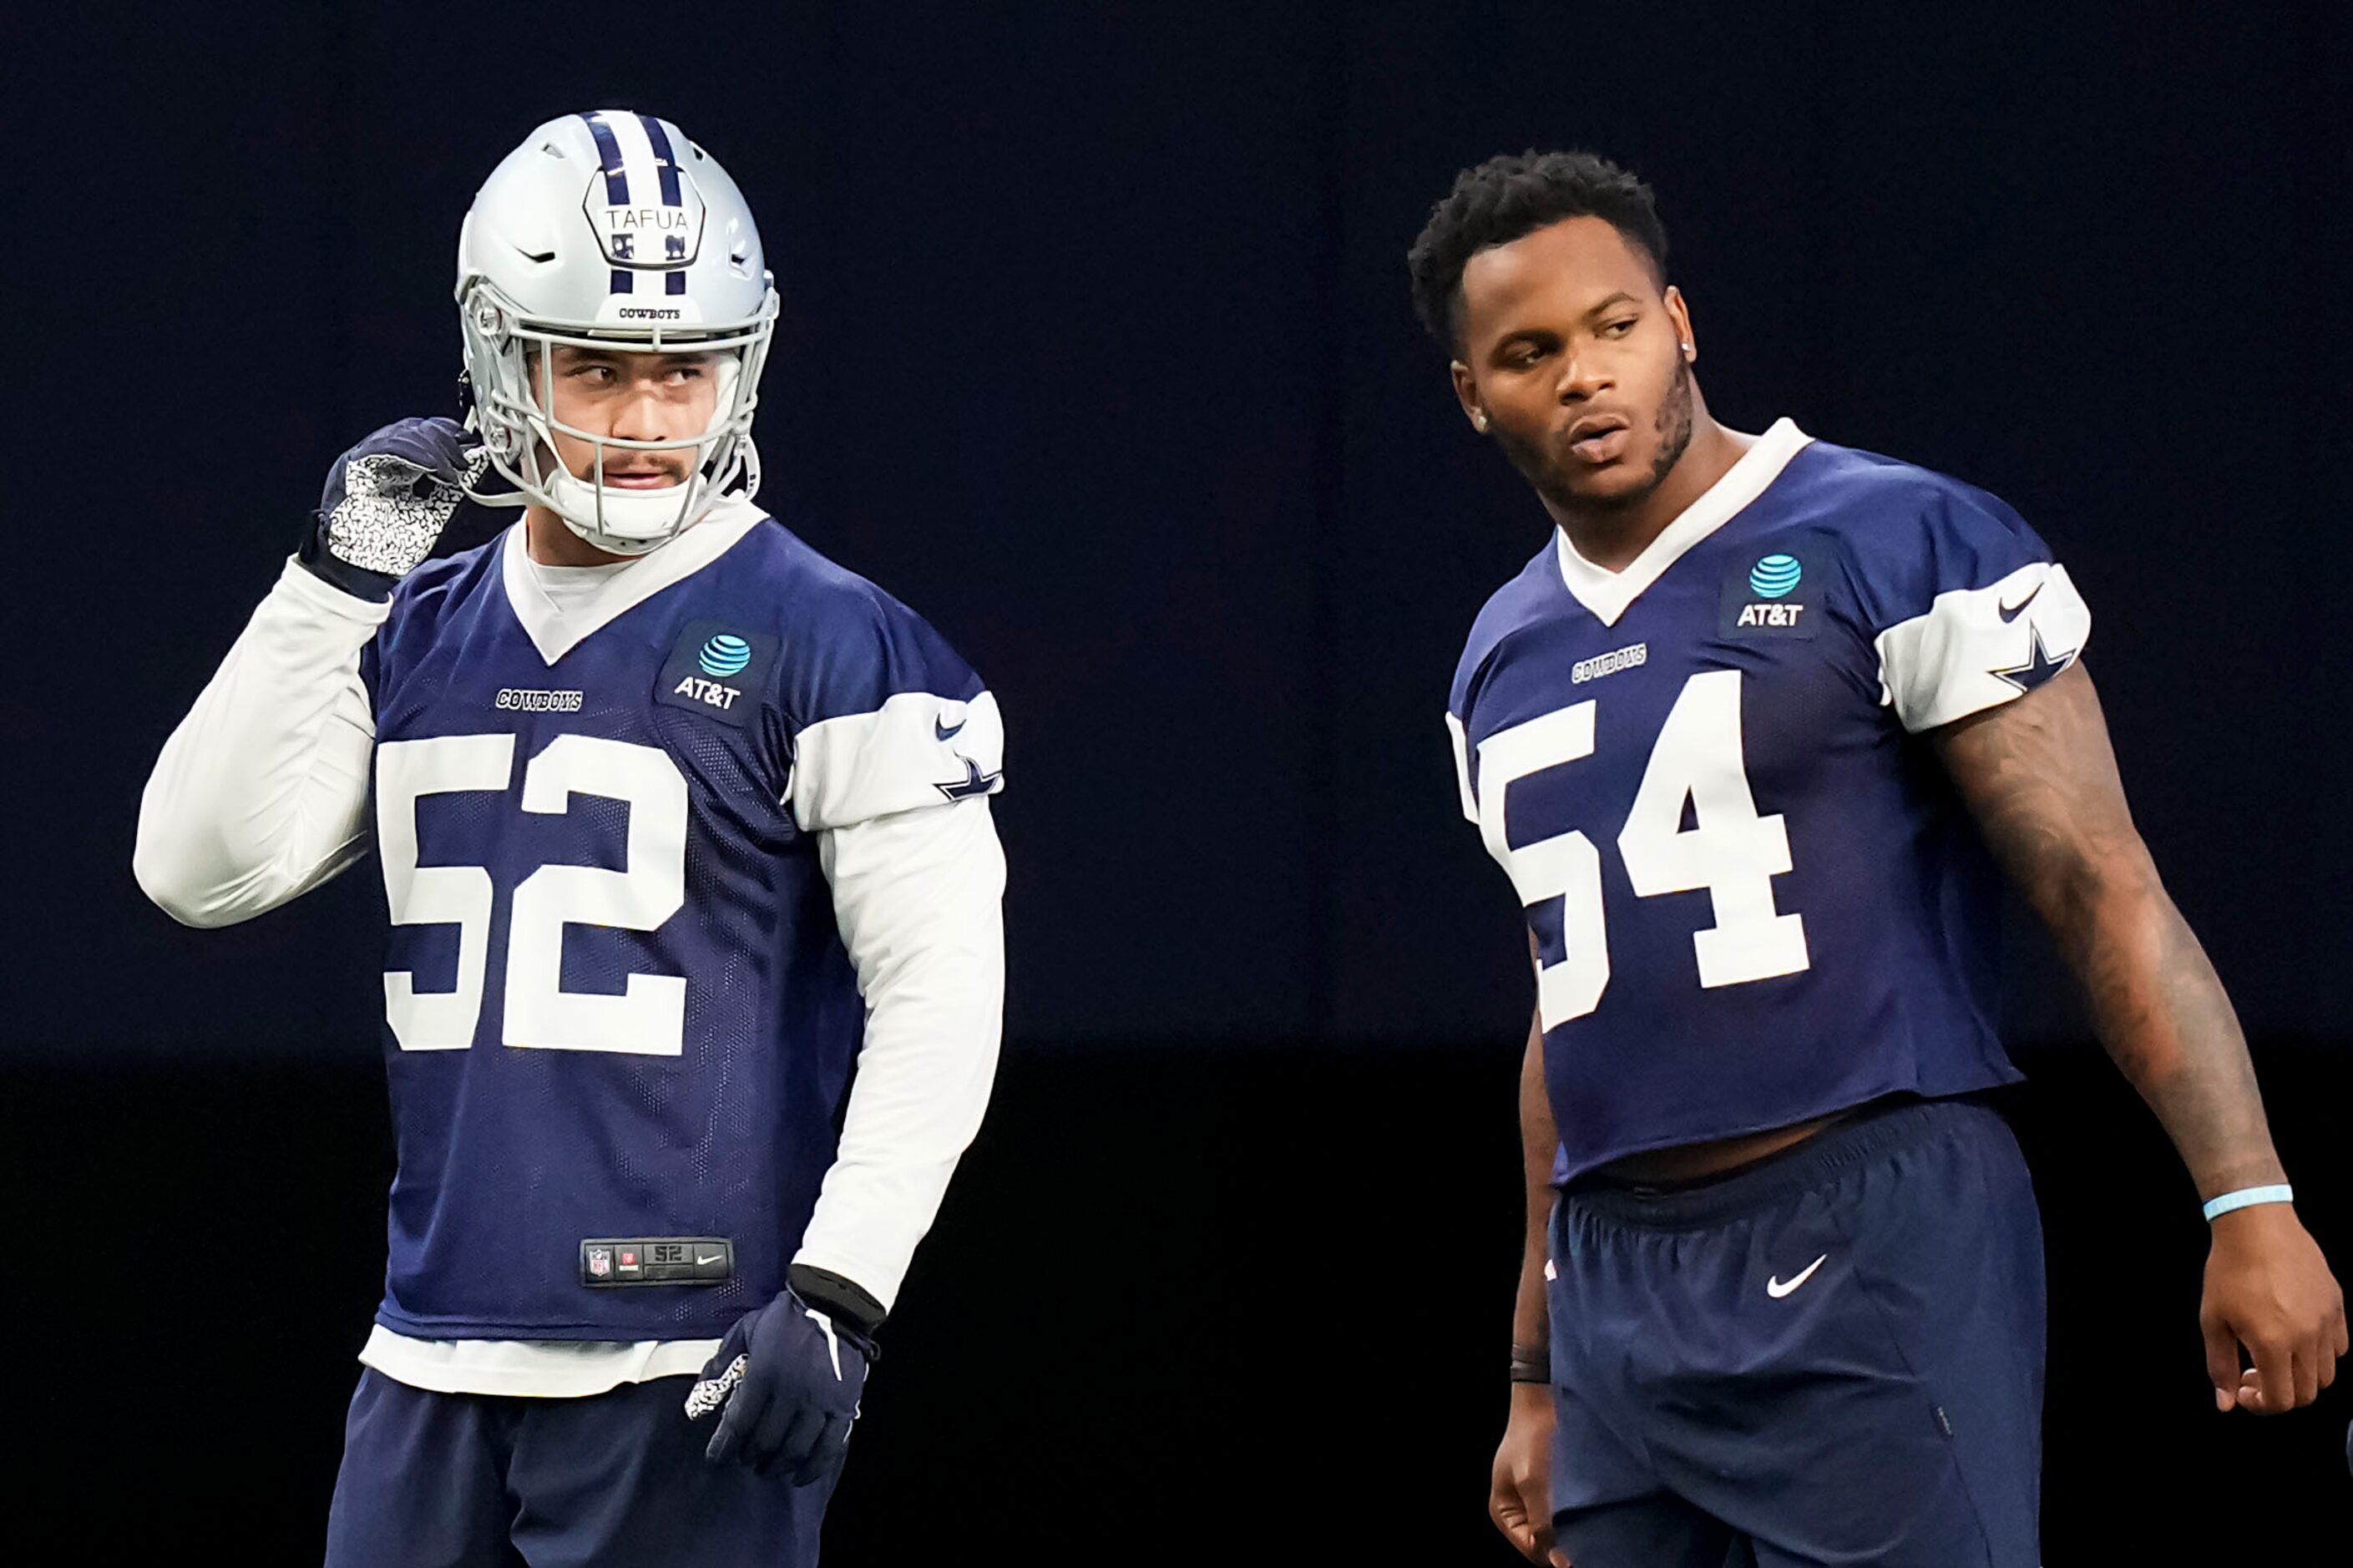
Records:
x=1834, y=1356
x=471, y=1480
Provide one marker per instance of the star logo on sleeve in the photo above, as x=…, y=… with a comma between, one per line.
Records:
x=2039, y=668
x=973, y=781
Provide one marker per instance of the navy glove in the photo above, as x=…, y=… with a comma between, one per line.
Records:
x=788, y=1378
x=395, y=500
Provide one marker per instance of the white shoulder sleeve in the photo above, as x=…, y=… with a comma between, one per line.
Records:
x=904, y=754
x=918, y=896
x=261, y=793
x=1978, y=647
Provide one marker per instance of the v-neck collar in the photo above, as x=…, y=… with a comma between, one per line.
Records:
x=1609, y=594
x=556, y=632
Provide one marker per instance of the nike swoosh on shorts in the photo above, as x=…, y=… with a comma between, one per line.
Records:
x=1775, y=1289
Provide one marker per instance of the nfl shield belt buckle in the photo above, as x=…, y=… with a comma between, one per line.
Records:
x=656, y=1260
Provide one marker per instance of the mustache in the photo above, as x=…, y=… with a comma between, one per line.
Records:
x=674, y=465
x=675, y=462
x=644, y=463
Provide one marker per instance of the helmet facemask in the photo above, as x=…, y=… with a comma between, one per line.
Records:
x=510, y=364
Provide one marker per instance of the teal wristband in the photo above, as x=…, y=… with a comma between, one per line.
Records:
x=2247, y=1197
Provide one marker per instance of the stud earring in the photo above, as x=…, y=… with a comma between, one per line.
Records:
x=1479, y=422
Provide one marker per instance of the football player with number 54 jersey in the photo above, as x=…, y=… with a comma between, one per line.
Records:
x=679, y=823
x=1753, y=736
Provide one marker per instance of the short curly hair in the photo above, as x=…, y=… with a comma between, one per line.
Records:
x=1512, y=195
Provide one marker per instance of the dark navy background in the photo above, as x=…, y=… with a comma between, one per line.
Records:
x=1096, y=350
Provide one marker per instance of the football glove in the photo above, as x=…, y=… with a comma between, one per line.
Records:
x=787, y=1380
x=395, y=500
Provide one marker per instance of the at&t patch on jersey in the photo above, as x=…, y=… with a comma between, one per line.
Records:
x=717, y=670
x=1773, y=592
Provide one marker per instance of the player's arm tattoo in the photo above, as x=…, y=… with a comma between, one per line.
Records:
x=2040, y=778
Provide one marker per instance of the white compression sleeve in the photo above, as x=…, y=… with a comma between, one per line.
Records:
x=261, y=793
x=918, y=896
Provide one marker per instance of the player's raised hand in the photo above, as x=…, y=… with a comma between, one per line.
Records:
x=793, y=1398
x=2268, y=1288
x=389, y=501
x=1519, y=1491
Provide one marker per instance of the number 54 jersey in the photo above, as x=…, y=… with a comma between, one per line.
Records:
x=620, y=1017
x=1754, y=896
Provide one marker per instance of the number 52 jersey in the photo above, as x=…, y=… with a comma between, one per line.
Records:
x=621, y=1017
x=1754, y=896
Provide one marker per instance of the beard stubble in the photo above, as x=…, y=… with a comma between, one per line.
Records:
x=1672, y=425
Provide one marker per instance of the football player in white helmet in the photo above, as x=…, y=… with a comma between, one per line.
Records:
x=555, y=280
x=678, y=821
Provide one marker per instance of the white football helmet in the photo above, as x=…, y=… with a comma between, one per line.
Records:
x=611, y=230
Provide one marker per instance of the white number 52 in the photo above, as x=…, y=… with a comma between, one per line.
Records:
x=649, y=1017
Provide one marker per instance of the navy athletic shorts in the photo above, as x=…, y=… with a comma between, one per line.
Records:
x=473, y=1480
x=1832, y=1356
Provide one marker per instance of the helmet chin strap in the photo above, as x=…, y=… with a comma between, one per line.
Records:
x=652, y=517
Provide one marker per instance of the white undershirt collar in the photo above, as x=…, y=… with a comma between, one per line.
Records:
x=584, y=600
x=1607, y=594
x=568, y=587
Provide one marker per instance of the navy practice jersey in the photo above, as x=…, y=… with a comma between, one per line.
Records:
x=618, y=1007
x=1754, y=895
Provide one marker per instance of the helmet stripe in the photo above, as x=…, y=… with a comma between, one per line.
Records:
x=666, y=161
x=617, y=183
x=664, y=158
x=609, y=153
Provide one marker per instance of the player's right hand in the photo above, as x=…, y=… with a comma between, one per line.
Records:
x=387, y=503
x=1519, y=1492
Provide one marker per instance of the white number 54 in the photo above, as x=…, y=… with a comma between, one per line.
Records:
x=1730, y=850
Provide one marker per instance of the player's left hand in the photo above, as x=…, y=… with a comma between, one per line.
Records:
x=790, y=1406
x=2268, y=1288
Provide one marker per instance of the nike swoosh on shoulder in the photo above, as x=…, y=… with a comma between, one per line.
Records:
x=946, y=731
x=2011, y=611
